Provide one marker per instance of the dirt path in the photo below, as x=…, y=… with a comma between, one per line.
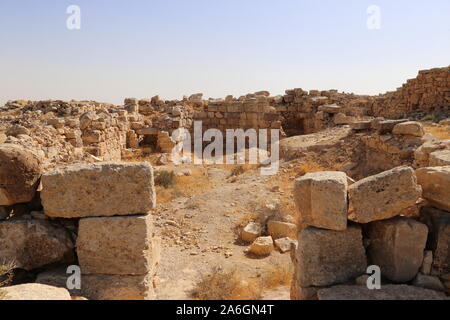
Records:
x=198, y=233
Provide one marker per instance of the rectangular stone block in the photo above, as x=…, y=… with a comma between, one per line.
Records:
x=118, y=287
x=100, y=189
x=321, y=199
x=384, y=195
x=117, y=245
x=327, y=257
x=397, y=246
x=435, y=183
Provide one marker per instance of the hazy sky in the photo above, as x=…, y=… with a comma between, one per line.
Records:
x=140, y=48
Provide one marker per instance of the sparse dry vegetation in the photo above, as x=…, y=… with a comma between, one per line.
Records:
x=165, y=178
x=6, y=273
x=226, y=285
x=231, y=285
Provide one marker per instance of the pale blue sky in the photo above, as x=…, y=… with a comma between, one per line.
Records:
x=140, y=48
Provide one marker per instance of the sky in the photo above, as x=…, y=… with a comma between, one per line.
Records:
x=141, y=48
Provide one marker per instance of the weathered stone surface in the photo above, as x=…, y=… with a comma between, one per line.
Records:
x=116, y=245
x=251, y=232
x=57, y=278
x=285, y=244
x=118, y=287
x=397, y=246
x=263, y=246
x=278, y=229
x=435, y=182
x=427, y=262
x=31, y=244
x=440, y=158
x=19, y=174
x=428, y=282
x=387, y=126
x=34, y=291
x=98, y=190
x=321, y=199
x=387, y=292
x=327, y=257
x=412, y=128
x=383, y=196
x=438, y=223
x=300, y=293
x=361, y=125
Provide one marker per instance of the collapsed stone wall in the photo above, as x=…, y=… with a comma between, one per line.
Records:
x=95, y=216
x=350, y=226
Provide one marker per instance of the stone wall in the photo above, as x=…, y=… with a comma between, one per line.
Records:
x=349, y=226
x=96, y=216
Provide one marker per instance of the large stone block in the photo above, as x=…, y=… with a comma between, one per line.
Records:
x=31, y=244
x=438, y=223
x=440, y=158
x=384, y=195
x=116, y=245
x=118, y=287
x=397, y=246
x=435, y=182
x=20, y=171
x=34, y=291
x=321, y=199
x=327, y=257
x=412, y=128
x=101, y=189
x=387, y=292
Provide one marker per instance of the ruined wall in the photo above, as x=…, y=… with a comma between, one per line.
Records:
x=428, y=92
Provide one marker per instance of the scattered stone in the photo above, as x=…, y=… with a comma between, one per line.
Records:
x=285, y=244
x=435, y=182
x=251, y=232
x=278, y=229
x=98, y=190
x=321, y=199
x=383, y=196
x=263, y=246
x=397, y=247
x=387, y=126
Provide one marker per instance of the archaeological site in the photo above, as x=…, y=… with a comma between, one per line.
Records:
x=95, y=207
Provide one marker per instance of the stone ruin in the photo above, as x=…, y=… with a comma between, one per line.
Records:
x=352, y=225
x=66, y=199
x=95, y=216
x=65, y=132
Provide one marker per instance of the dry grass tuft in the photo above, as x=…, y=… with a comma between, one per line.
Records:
x=231, y=285
x=226, y=285
x=185, y=186
x=277, y=276
x=6, y=273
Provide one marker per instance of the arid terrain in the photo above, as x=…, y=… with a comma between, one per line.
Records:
x=362, y=181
